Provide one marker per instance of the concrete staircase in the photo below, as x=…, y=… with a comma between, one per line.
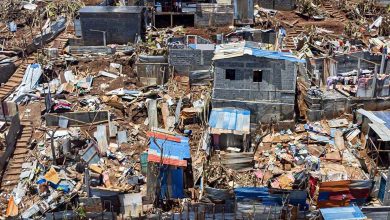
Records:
x=334, y=13
x=289, y=39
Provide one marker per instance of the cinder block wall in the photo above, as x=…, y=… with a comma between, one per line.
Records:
x=214, y=19
x=282, y=5
x=186, y=60
x=120, y=28
x=273, y=97
x=214, y=15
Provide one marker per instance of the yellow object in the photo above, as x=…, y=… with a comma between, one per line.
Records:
x=95, y=168
x=52, y=176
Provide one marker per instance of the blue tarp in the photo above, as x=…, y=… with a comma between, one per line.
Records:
x=342, y=213
x=230, y=119
x=172, y=149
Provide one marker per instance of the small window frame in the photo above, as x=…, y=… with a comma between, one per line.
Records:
x=257, y=76
x=230, y=74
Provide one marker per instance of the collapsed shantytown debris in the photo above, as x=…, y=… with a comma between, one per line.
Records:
x=227, y=109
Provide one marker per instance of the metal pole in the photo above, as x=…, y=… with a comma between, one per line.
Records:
x=374, y=80
x=384, y=53
x=104, y=39
x=359, y=66
x=53, y=150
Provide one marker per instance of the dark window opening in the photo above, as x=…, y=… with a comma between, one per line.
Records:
x=258, y=76
x=231, y=74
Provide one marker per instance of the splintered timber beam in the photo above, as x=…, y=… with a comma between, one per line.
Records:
x=77, y=118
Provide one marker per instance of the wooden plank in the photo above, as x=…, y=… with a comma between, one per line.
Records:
x=339, y=140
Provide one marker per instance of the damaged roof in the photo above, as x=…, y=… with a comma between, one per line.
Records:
x=231, y=50
x=230, y=120
x=380, y=122
x=175, y=149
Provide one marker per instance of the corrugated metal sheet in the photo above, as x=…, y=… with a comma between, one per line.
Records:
x=382, y=188
x=172, y=185
x=268, y=196
x=380, y=122
x=231, y=50
x=385, y=116
x=343, y=193
x=174, y=153
x=381, y=130
x=229, y=120
x=237, y=161
x=343, y=213
x=370, y=115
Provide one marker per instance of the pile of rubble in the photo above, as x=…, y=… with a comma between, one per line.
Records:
x=121, y=129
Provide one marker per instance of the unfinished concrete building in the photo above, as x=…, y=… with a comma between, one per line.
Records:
x=102, y=25
x=261, y=81
x=152, y=70
x=190, y=53
x=344, y=82
x=243, y=12
x=282, y=5
x=214, y=15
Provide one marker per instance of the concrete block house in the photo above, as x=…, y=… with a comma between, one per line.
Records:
x=262, y=81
